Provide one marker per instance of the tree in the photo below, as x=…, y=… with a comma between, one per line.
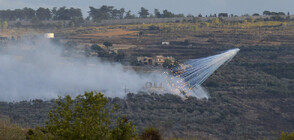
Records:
x=83, y=118
x=124, y=130
x=76, y=21
x=151, y=134
x=167, y=14
x=75, y=13
x=43, y=14
x=216, y=21
x=54, y=13
x=129, y=15
x=115, y=14
x=255, y=14
x=64, y=13
x=167, y=63
x=286, y=136
x=143, y=13
x=266, y=13
x=96, y=48
x=281, y=13
x=121, y=13
x=5, y=25
x=28, y=13
x=105, y=12
x=157, y=13
x=223, y=15
x=107, y=44
x=39, y=133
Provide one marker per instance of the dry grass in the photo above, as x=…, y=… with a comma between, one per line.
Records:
x=10, y=131
x=122, y=46
x=108, y=33
x=17, y=32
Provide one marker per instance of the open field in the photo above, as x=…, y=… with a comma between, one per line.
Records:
x=109, y=33
x=270, y=33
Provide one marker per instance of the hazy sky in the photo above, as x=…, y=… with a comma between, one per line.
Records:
x=194, y=7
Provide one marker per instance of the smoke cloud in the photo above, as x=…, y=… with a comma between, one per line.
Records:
x=36, y=69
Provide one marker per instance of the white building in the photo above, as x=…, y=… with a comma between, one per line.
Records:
x=49, y=35
x=165, y=43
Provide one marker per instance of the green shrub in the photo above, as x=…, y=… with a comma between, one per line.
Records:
x=286, y=136
x=151, y=134
x=85, y=117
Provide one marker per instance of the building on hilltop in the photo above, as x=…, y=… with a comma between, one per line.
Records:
x=155, y=60
x=153, y=87
x=49, y=35
x=165, y=43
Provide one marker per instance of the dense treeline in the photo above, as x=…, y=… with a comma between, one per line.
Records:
x=61, y=13
x=106, y=12
x=73, y=17
x=269, y=13
x=97, y=14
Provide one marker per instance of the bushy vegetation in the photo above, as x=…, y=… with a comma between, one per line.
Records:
x=151, y=133
x=222, y=116
x=41, y=13
x=85, y=117
x=88, y=116
x=287, y=136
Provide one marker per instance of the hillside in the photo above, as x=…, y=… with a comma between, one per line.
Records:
x=252, y=97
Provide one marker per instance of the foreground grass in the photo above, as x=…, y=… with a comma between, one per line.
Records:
x=10, y=131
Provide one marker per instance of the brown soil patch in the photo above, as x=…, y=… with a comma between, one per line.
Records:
x=108, y=33
x=122, y=46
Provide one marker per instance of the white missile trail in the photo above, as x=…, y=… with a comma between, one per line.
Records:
x=194, y=72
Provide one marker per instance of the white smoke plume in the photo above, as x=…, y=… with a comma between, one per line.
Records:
x=191, y=74
x=37, y=70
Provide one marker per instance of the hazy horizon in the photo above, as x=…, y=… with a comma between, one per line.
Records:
x=194, y=7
